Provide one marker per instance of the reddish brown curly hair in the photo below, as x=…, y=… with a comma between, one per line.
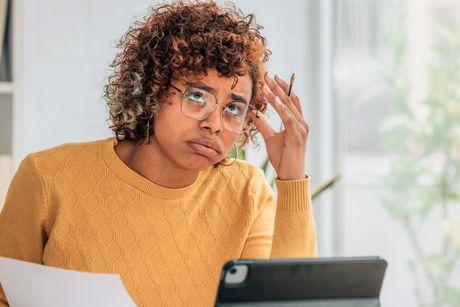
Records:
x=175, y=40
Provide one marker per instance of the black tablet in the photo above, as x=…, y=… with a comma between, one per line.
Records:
x=312, y=282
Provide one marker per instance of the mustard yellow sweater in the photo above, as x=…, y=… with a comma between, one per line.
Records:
x=78, y=206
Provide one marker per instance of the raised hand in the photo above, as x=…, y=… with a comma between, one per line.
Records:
x=286, y=149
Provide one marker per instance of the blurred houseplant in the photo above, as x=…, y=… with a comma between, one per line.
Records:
x=422, y=141
x=329, y=183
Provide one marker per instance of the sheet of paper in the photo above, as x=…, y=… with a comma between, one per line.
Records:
x=29, y=284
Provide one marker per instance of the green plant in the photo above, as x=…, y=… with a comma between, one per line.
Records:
x=422, y=141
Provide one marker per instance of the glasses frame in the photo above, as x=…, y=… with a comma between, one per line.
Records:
x=216, y=103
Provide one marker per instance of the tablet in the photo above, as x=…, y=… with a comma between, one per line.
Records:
x=309, y=282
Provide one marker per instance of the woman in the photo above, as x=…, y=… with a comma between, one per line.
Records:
x=160, y=203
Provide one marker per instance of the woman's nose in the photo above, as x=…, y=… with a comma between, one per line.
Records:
x=214, y=122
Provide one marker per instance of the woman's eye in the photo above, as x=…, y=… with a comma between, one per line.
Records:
x=234, y=109
x=196, y=97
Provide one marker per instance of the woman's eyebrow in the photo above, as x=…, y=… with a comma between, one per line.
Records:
x=237, y=97
x=202, y=86
x=207, y=88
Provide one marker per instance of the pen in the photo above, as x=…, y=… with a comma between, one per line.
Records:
x=291, y=83
x=289, y=92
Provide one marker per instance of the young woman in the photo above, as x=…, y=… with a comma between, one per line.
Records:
x=160, y=203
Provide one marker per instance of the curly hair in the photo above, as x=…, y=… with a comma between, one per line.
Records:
x=175, y=40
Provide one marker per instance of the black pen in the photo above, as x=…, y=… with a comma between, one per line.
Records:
x=291, y=83
x=289, y=92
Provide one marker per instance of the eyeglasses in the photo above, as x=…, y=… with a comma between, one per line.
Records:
x=199, y=104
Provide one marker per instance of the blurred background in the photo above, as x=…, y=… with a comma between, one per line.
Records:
x=380, y=86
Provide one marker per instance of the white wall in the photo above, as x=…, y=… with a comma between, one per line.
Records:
x=66, y=49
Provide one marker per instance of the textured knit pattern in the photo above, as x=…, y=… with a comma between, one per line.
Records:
x=78, y=206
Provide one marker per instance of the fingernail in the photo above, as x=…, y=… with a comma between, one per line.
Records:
x=266, y=90
x=277, y=100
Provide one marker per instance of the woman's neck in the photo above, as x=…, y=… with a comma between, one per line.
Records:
x=148, y=161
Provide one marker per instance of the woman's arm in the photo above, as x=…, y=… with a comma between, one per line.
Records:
x=286, y=230
x=24, y=217
x=293, y=225
x=295, y=229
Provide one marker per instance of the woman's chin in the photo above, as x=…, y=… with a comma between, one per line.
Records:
x=197, y=161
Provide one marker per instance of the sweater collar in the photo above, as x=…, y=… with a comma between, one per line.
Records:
x=139, y=182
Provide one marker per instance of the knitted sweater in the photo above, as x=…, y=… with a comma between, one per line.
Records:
x=78, y=206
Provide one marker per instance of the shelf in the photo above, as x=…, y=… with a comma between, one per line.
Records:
x=5, y=177
x=6, y=88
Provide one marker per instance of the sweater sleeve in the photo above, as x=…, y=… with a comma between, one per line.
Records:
x=23, y=220
x=284, y=230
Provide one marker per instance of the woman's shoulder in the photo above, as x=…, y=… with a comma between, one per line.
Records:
x=65, y=154
x=70, y=148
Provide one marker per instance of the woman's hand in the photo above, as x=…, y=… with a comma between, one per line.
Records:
x=286, y=149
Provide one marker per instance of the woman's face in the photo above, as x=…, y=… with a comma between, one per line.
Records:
x=178, y=136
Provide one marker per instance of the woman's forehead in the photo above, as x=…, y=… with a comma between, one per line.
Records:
x=241, y=84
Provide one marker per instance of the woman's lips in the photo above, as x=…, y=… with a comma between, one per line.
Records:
x=202, y=150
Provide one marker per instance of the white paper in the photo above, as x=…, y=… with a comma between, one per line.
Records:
x=28, y=284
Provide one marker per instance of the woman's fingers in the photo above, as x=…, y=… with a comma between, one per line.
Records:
x=283, y=84
x=284, y=112
x=279, y=92
x=261, y=122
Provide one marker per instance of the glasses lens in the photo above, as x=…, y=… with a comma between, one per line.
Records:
x=234, y=115
x=199, y=104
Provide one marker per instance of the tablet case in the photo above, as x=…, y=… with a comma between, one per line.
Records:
x=302, y=282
